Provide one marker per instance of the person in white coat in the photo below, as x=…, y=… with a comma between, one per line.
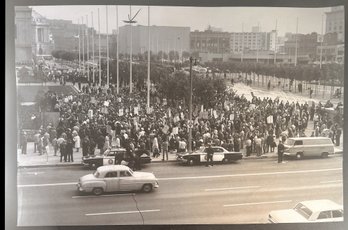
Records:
x=77, y=141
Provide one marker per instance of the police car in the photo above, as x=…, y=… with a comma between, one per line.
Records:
x=114, y=156
x=200, y=156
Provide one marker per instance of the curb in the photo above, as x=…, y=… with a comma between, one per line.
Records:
x=156, y=162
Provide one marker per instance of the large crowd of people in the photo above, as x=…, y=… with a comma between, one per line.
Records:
x=97, y=119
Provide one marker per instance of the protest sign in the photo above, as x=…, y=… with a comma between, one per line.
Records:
x=270, y=120
x=120, y=112
x=136, y=110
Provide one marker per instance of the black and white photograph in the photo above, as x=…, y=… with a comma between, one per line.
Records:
x=178, y=115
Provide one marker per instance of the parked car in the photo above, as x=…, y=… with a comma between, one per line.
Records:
x=199, y=156
x=114, y=156
x=309, y=211
x=114, y=178
x=300, y=147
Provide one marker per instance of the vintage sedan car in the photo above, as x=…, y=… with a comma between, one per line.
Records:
x=309, y=211
x=114, y=154
x=199, y=156
x=114, y=178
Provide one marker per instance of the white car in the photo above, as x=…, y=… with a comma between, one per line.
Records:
x=309, y=211
x=114, y=178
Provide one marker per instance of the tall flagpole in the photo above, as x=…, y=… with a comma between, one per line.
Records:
x=107, y=50
x=93, y=46
x=241, y=57
x=78, y=26
x=296, y=41
x=257, y=42
x=131, y=52
x=87, y=49
x=117, y=61
x=148, y=57
x=321, y=42
x=83, y=49
x=99, y=48
x=275, y=43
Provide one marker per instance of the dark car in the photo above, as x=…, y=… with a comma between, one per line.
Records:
x=199, y=156
x=115, y=156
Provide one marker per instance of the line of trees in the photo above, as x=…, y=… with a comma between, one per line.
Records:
x=330, y=74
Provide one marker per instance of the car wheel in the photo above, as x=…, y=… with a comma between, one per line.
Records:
x=97, y=191
x=325, y=155
x=225, y=160
x=190, y=161
x=147, y=188
x=299, y=156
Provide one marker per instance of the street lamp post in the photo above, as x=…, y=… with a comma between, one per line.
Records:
x=190, y=109
x=131, y=21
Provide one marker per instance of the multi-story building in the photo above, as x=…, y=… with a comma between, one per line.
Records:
x=162, y=38
x=335, y=22
x=306, y=45
x=245, y=41
x=23, y=35
x=64, y=34
x=42, y=40
x=209, y=41
x=331, y=50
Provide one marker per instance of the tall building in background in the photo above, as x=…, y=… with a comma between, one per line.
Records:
x=248, y=41
x=162, y=38
x=42, y=39
x=23, y=35
x=335, y=22
x=210, y=41
x=306, y=46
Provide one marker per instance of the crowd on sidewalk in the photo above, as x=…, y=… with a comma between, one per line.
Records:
x=98, y=118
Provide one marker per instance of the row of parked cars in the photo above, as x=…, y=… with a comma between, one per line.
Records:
x=294, y=147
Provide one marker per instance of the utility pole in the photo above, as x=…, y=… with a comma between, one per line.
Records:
x=296, y=42
x=83, y=49
x=93, y=47
x=87, y=49
x=99, y=48
x=148, y=58
x=321, y=42
x=117, y=61
x=107, y=51
x=190, y=111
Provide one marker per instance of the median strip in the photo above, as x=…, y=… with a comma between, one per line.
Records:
x=234, y=188
x=258, y=203
x=125, y=212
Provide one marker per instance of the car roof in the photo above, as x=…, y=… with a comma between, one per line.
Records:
x=321, y=205
x=112, y=167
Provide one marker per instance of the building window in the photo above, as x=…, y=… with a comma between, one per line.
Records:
x=40, y=35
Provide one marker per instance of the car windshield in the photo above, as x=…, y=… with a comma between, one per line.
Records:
x=131, y=171
x=96, y=174
x=201, y=149
x=303, y=210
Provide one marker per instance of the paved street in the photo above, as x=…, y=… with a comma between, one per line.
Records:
x=243, y=192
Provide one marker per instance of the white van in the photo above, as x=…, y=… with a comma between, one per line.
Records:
x=308, y=146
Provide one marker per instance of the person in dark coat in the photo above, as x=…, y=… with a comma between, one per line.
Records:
x=210, y=154
x=280, y=151
x=23, y=142
x=85, y=146
x=63, y=151
x=70, y=149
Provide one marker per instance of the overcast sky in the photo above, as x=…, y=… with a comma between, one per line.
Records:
x=230, y=19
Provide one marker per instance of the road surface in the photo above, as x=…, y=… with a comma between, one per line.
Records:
x=237, y=193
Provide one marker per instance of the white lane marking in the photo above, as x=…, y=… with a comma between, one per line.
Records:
x=252, y=174
x=203, y=177
x=45, y=185
x=234, y=188
x=125, y=212
x=331, y=181
x=257, y=203
x=125, y=194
